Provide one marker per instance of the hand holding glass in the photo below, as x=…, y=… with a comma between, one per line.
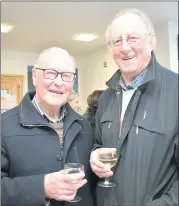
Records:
x=108, y=156
x=74, y=168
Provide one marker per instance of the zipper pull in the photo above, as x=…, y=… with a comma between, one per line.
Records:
x=144, y=114
x=76, y=152
x=137, y=130
x=109, y=125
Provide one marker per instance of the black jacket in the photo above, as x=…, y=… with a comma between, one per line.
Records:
x=31, y=149
x=146, y=173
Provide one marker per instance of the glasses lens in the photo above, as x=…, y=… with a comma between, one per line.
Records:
x=118, y=42
x=68, y=76
x=50, y=74
x=133, y=39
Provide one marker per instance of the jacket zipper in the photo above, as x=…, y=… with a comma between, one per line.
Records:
x=120, y=142
x=119, y=101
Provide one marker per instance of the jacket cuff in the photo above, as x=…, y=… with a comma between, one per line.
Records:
x=96, y=147
x=37, y=186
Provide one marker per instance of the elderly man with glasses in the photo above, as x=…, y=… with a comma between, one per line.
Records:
x=138, y=116
x=41, y=135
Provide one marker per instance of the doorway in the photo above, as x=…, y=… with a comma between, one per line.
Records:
x=13, y=85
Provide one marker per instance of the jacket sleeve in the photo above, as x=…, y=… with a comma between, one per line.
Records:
x=98, y=132
x=20, y=191
x=170, y=198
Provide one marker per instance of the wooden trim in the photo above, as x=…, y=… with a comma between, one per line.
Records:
x=16, y=77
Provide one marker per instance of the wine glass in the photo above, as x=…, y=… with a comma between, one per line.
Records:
x=108, y=156
x=74, y=168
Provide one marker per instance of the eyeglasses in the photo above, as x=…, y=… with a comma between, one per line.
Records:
x=52, y=74
x=131, y=40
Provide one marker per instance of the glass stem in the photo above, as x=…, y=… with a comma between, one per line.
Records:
x=106, y=180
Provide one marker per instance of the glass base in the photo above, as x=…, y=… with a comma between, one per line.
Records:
x=76, y=199
x=106, y=184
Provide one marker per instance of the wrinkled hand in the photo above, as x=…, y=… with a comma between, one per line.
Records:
x=98, y=167
x=61, y=186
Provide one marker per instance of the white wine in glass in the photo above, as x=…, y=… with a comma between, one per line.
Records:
x=109, y=163
x=74, y=168
x=108, y=156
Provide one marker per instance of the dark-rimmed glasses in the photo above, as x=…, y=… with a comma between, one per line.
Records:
x=52, y=74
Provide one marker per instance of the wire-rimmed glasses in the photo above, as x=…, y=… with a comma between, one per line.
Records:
x=132, y=40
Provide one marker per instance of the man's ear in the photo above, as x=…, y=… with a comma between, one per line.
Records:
x=34, y=76
x=153, y=42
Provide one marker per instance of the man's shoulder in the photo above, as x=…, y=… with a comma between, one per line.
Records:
x=84, y=123
x=167, y=74
x=10, y=114
x=10, y=121
x=105, y=98
x=107, y=94
x=167, y=81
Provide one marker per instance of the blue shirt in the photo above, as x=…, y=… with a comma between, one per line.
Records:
x=135, y=83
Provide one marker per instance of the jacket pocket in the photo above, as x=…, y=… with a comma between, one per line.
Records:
x=109, y=134
x=152, y=141
x=153, y=127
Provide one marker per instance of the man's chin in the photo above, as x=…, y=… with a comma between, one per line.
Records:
x=128, y=70
x=56, y=104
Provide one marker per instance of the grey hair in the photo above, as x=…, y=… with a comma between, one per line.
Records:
x=146, y=20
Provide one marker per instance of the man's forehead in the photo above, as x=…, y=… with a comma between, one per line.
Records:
x=55, y=58
x=127, y=24
x=58, y=64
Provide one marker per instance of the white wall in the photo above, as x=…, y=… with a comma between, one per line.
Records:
x=93, y=73
x=173, y=45
x=162, y=47
x=16, y=63
x=167, y=44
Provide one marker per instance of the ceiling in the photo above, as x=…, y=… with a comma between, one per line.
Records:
x=40, y=25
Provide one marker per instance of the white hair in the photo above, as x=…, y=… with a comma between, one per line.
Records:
x=146, y=20
x=53, y=57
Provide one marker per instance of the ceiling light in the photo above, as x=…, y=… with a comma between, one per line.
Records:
x=85, y=37
x=5, y=28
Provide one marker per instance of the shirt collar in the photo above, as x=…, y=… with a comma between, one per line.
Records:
x=135, y=83
x=63, y=111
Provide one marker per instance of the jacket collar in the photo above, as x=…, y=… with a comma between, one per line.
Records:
x=30, y=116
x=113, y=82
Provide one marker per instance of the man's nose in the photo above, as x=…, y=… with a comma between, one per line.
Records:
x=58, y=80
x=125, y=45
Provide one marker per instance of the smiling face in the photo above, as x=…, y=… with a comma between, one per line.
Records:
x=55, y=92
x=131, y=57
